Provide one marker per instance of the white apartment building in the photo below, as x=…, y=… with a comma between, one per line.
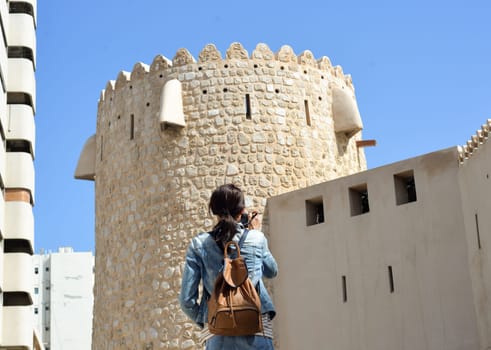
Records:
x=63, y=299
x=17, y=151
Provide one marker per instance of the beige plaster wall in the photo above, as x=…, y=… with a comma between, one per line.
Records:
x=424, y=242
x=475, y=184
x=152, y=185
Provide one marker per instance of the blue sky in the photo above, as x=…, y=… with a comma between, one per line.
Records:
x=421, y=69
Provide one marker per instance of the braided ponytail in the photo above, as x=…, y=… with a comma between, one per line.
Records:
x=226, y=202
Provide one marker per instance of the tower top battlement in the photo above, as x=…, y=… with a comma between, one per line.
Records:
x=284, y=58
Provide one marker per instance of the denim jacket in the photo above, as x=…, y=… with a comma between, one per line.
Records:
x=204, y=260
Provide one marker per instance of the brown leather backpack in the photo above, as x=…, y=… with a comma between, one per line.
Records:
x=234, y=307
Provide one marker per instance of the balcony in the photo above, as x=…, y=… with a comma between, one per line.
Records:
x=21, y=125
x=17, y=274
x=17, y=327
x=22, y=80
x=19, y=171
x=22, y=32
x=19, y=221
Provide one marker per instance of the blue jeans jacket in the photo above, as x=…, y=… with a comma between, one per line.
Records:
x=204, y=260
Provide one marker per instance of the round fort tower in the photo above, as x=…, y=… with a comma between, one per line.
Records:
x=167, y=135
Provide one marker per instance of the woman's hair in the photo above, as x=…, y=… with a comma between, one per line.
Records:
x=227, y=202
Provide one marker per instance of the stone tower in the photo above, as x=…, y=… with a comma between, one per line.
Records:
x=167, y=135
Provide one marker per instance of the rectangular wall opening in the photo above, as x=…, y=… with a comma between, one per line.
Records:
x=102, y=146
x=477, y=232
x=307, y=112
x=248, y=106
x=391, y=279
x=132, y=127
x=405, y=187
x=345, y=291
x=358, y=197
x=314, y=209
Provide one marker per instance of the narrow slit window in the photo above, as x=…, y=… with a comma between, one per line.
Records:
x=477, y=231
x=132, y=127
x=307, y=112
x=345, y=291
x=405, y=187
x=314, y=209
x=358, y=196
x=248, y=106
x=102, y=146
x=391, y=279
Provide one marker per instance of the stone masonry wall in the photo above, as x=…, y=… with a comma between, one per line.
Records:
x=153, y=185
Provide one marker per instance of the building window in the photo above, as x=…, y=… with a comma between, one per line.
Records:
x=36, y=310
x=19, y=98
x=358, y=197
x=405, y=187
x=21, y=7
x=36, y=290
x=36, y=270
x=314, y=209
x=20, y=52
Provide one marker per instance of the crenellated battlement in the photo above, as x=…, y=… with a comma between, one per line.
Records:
x=475, y=142
x=262, y=57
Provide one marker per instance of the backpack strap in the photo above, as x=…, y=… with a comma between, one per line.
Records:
x=243, y=238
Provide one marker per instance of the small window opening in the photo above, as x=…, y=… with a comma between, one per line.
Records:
x=132, y=127
x=148, y=104
x=204, y=92
x=18, y=146
x=16, y=245
x=20, y=52
x=391, y=279
x=36, y=310
x=36, y=270
x=307, y=112
x=225, y=90
x=477, y=231
x=21, y=7
x=345, y=291
x=248, y=106
x=255, y=66
x=36, y=290
x=405, y=187
x=16, y=299
x=358, y=196
x=277, y=91
x=282, y=68
x=314, y=209
x=19, y=98
x=102, y=146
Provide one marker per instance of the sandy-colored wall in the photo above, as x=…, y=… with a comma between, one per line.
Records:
x=431, y=306
x=475, y=184
x=153, y=186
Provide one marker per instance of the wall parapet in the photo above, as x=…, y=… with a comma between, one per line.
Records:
x=475, y=142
